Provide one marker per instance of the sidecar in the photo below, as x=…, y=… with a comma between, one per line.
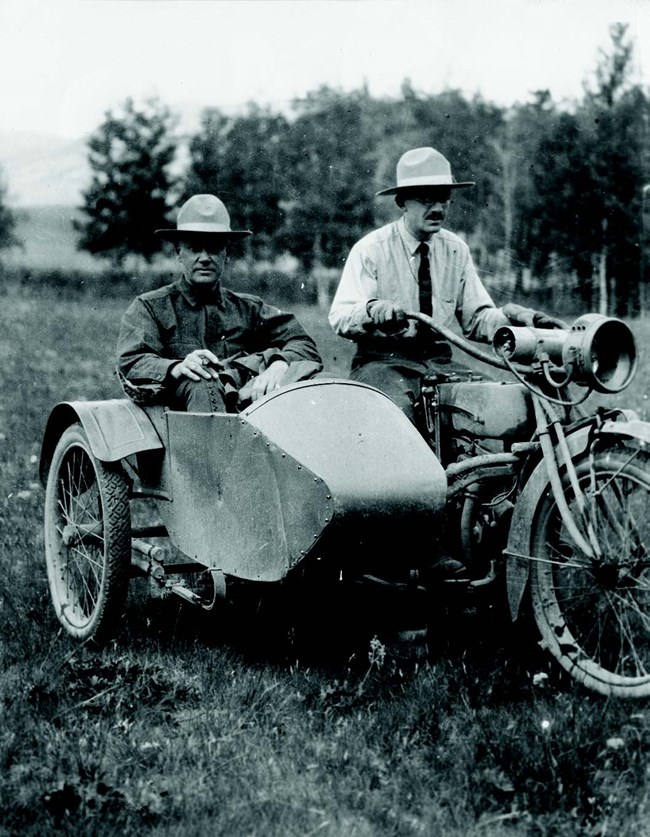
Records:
x=325, y=473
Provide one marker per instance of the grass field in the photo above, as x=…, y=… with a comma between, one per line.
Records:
x=184, y=726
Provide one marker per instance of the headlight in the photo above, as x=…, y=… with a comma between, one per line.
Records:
x=597, y=351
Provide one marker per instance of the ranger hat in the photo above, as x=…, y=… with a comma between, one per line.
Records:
x=202, y=215
x=422, y=168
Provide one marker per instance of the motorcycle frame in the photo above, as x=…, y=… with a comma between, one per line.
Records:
x=552, y=443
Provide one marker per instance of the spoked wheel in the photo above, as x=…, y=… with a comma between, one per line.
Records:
x=594, y=614
x=87, y=538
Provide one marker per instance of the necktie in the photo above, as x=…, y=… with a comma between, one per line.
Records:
x=424, y=280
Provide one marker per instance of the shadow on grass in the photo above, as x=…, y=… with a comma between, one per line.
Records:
x=345, y=632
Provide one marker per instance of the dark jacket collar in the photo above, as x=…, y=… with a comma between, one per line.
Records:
x=195, y=296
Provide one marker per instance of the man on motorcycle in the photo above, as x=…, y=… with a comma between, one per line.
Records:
x=197, y=346
x=410, y=265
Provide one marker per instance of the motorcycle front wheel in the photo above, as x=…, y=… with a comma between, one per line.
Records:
x=594, y=613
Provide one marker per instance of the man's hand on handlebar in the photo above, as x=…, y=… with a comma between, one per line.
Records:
x=522, y=316
x=387, y=315
x=201, y=363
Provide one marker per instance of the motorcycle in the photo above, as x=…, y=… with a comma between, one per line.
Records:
x=327, y=480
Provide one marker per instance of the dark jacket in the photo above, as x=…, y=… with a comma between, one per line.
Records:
x=162, y=327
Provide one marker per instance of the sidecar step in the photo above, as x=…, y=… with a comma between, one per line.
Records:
x=187, y=567
x=158, y=530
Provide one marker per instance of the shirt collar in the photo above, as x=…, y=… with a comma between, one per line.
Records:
x=197, y=296
x=410, y=241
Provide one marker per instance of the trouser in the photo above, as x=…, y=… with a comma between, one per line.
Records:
x=401, y=380
x=202, y=397
x=400, y=383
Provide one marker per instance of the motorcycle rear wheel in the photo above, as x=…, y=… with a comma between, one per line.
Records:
x=594, y=614
x=87, y=539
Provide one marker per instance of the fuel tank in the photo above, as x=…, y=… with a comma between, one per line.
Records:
x=486, y=410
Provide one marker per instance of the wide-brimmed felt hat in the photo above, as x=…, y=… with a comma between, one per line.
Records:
x=422, y=168
x=202, y=215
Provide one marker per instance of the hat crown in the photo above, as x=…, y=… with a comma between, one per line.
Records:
x=423, y=162
x=203, y=213
x=422, y=167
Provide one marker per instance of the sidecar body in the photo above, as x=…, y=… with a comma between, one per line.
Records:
x=325, y=470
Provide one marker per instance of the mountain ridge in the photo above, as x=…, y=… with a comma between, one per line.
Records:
x=43, y=169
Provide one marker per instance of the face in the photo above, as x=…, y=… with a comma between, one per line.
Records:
x=203, y=259
x=424, y=210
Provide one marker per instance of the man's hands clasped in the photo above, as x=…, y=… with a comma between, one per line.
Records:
x=204, y=364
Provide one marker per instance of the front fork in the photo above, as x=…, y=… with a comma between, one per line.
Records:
x=556, y=456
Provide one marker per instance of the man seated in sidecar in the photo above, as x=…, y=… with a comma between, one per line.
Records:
x=197, y=346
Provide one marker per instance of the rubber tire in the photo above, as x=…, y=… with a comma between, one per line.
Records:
x=590, y=631
x=89, y=592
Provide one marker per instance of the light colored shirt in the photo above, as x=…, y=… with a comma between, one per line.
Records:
x=384, y=265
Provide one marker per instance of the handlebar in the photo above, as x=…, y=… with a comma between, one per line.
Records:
x=466, y=345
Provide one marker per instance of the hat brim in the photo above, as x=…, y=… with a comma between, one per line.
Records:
x=179, y=235
x=394, y=190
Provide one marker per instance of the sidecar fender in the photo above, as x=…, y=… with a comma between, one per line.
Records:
x=519, y=546
x=115, y=428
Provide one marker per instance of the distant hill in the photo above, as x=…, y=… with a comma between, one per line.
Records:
x=43, y=170
x=45, y=178
x=47, y=239
x=47, y=170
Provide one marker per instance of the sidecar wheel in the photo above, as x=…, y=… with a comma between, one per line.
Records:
x=87, y=539
x=594, y=615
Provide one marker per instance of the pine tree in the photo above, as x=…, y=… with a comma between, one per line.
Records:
x=130, y=155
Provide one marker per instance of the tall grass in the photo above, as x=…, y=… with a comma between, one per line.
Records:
x=190, y=724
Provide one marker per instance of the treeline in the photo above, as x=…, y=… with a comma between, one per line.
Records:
x=557, y=203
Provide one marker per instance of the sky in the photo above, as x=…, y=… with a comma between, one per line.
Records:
x=64, y=63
